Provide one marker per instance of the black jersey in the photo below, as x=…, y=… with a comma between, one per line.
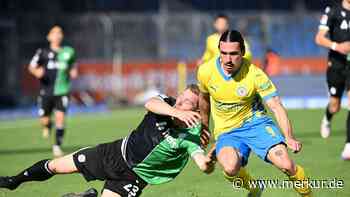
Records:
x=336, y=20
x=56, y=79
x=157, y=150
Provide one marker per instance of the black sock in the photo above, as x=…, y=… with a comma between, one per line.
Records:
x=348, y=128
x=59, y=136
x=37, y=172
x=329, y=115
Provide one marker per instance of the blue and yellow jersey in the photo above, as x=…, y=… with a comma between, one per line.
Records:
x=234, y=100
x=212, y=50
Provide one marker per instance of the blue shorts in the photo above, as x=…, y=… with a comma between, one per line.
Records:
x=259, y=135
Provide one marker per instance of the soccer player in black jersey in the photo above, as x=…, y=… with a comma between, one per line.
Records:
x=154, y=153
x=335, y=22
x=54, y=68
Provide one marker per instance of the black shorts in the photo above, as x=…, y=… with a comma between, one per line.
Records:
x=338, y=77
x=105, y=162
x=47, y=104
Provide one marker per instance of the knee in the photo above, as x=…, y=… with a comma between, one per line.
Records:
x=44, y=120
x=53, y=166
x=231, y=169
x=334, y=107
x=288, y=167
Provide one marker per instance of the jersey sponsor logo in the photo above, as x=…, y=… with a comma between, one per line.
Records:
x=172, y=141
x=226, y=107
x=57, y=65
x=344, y=25
x=343, y=14
x=241, y=91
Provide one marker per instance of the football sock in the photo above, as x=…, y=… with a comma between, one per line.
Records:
x=244, y=179
x=59, y=136
x=329, y=115
x=37, y=172
x=348, y=128
x=300, y=176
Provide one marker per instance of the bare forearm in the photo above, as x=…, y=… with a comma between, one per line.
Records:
x=281, y=116
x=204, y=107
x=323, y=41
x=160, y=107
x=283, y=122
x=37, y=72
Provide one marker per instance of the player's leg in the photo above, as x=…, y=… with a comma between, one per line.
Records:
x=45, y=105
x=336, y=85
x=109, y=193
x=232, y=155
x=61, y=104
x=267, y=142
x=40, y=171
x=123, y=186
x=278, y=156
x=346, y=151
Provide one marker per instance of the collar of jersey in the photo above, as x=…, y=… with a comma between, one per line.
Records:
x=222, y=73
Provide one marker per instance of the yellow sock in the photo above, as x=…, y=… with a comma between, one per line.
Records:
x=245, y=177
x=304, y=191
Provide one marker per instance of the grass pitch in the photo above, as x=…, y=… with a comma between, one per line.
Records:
x=21, y=145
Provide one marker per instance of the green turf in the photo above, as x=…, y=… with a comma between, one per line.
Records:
x=21, y=145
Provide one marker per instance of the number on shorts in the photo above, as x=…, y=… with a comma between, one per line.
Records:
x=131, y=189
x=270, y=131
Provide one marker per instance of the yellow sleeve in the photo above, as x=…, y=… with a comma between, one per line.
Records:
x=203, y=76
x=207, y=53
x=248, y=54
x=264, y=86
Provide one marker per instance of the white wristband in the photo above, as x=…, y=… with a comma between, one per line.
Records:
x=334, y=45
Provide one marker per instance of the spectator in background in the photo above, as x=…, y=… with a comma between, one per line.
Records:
x=271, y=62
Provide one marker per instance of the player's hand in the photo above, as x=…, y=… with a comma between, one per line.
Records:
x=190, y=118
x=343, y=48
x=212, y=153
x=39, y=72
x=294, y=144
x=205, y=137
x=210, y=165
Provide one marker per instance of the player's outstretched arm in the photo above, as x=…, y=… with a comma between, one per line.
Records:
x=280, y=113
x=204, y=163
x=159, y=106
x=322, y=40
x=204, y=108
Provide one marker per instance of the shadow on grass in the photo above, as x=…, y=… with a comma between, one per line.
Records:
x=66, y=149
